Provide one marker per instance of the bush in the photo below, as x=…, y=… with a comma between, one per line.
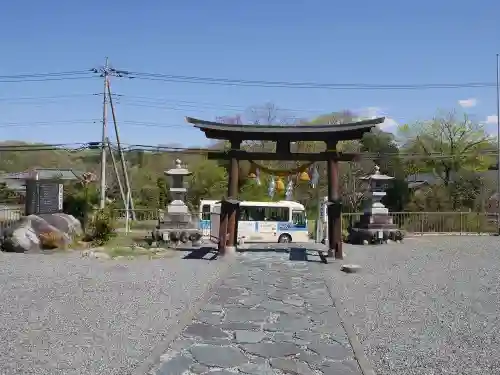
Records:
x=345, y=236
x=103, y=226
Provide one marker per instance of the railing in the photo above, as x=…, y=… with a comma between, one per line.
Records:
x=411, y=222
x=436, y=222
x=141, y=214
x=9, y=216
x=145, y=218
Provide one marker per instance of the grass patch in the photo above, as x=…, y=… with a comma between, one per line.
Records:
x=128, y=252
x=127, y=240
x=138, y=225
x=133, y=245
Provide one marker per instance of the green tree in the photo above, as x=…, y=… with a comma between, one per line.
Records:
x=447, y=144
x=163, y=191
x=207, y=181
x=252, y=191
x=6, y=194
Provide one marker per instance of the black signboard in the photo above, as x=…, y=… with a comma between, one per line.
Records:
x=43, y=197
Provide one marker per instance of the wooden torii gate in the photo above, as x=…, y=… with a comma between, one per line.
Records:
x=283, y=136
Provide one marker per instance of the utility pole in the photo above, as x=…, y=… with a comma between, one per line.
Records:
x=117, y=174
x=130, y=203
x=105, y=72
x=498, y=145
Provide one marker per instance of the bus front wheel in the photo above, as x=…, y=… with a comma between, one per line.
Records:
x=285, y=238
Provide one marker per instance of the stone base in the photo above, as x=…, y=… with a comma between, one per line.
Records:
x=176, y=236
x=374, y=235
x=372, y=220
x=230, y=250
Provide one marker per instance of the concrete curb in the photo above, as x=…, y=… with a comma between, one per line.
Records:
x=153, y=359
x=357, y=348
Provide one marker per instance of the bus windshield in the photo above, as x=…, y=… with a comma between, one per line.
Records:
x=205, y=212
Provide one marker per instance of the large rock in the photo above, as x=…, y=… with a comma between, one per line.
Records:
x=64, y=222
x=26, y=235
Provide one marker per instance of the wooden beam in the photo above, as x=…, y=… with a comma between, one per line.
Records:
x=299, y=156
x=283, y=147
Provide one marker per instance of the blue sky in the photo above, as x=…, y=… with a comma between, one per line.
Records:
x=357, y=41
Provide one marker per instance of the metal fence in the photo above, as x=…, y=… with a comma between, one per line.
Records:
x=436, y=222
x=144, y=218
x=9, y=216
x=411, y=222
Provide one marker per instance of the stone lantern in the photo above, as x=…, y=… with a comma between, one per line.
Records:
x=178, y=190
x=377, y=185
x=375, y=225
x=176, y=226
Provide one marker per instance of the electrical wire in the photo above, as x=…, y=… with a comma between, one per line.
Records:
x=46, y=123
x=24, y=99
x=87, y=74
x=50, y=74
x=44, y=77
x=76, y=147
x=303, y=85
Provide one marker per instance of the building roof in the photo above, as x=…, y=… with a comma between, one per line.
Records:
x=44, y=174
x=417, y=184
x=14, y=185
x=348, y=131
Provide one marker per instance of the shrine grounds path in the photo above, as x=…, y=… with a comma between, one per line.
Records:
x=427, y=306
x=63, y=314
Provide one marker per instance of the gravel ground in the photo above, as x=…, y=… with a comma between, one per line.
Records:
x=429, y=306
x=63, y=314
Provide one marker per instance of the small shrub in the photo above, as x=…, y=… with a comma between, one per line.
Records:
x=103, y=226
x=51, y=240
x=345, y=236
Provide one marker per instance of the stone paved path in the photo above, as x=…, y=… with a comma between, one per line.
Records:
x=270, y=315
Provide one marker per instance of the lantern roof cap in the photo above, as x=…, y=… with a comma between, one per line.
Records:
x=377, y=175
x=178, y=170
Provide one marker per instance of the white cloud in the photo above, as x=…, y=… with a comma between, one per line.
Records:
x=491, y=119
x=389, y=124
x=373, y=112
x=468, y=103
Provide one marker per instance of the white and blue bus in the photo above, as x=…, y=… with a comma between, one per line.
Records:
x=283, y=221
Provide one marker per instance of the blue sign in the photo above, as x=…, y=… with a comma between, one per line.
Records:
x=290, y=227
x=204, y=224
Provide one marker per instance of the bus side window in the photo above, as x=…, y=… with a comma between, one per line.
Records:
x=244, y=214
x=248, y=213
x=205, y=212
x=277, y=214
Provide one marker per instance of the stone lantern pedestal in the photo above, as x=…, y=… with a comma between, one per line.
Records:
x=176, y=225
x=375, y=225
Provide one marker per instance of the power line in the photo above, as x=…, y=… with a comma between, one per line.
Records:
x=38, y=75
x=76, y=147
x=87, y=74
x=47, y=79
x=151, y=102
x=133, y=123
x=161, y=103
x=44, y=77
x=46, y=123
x=303, y=85
x=23, y=99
